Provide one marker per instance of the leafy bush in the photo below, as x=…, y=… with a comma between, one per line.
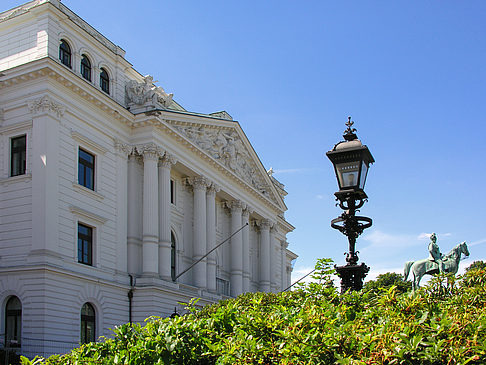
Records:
x=443, y=323
x=387, y=280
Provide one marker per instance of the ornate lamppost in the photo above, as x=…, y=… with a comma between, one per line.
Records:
x=351, y=160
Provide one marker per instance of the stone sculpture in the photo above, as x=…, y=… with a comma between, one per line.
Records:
x=146, y=93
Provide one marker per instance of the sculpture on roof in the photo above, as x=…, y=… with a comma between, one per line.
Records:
x=146, y=93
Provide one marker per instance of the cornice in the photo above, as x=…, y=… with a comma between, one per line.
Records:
x=50, y=69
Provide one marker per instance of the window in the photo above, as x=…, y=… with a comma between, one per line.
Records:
x=172, y=192
x=65, y=53
x=86, y=68
x=88, y=328
x=17, y=156
x=105, y=81
x=222, y=286
x=86, y=169
x=172, y=256
x=13, y=322
x=85, y=244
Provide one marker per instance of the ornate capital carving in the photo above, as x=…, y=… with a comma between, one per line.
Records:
x=149, y=151
x=236, y=206
x=122, y=149
x=46, y=105
x=264, y=224
x=168, y=160
x=213, y=189
x=199, y=182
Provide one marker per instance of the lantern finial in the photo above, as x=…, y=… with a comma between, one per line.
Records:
x=349, y=134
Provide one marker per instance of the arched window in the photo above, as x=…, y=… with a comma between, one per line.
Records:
x=13, y=322
x=172, y=256
x=65, y=53
x=86, y=68
x=88, y=318
x=105, y=81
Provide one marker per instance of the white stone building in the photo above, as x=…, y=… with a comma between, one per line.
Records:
x=109, y=189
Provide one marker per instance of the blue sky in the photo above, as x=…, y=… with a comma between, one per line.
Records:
x=411, y=74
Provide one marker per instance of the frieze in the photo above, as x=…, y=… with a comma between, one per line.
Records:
x=227, y=147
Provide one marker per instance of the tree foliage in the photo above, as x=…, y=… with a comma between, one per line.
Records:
x=477, y=265
x=442, y=323
x=387, y=280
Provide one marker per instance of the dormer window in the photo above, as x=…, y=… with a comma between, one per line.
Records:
x=105, y=81
x=65, y=53
x=86, y=68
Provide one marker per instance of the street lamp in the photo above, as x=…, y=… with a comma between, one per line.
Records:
x=351, y=161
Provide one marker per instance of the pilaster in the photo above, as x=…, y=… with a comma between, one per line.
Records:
x=46, y=115
x=134, y=215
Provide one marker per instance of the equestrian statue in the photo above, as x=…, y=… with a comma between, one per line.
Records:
x=436, y=262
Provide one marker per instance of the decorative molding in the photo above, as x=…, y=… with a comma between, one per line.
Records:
x=213, y=189
x=20, y=10
x=168, y=160
x=225, y=146
x=88, y=143
x=121, y=148
x=12, y=128
x=199, y=182
x=222, y=115
x=46, y=104
x=236, y=206
x=88, y=192
x=87, y=215
x=150, y=151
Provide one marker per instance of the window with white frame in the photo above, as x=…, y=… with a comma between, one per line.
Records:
x=65, y=53
x=85, y=244
x=18, y=155
x=13, y=322
x=88, y=323
x=86, y=169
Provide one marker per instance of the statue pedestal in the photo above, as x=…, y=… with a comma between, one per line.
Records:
x=352, y=276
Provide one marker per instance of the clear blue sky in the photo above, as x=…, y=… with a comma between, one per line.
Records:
x=411, y=74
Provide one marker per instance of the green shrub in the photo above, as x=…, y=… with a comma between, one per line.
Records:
x=443, y=323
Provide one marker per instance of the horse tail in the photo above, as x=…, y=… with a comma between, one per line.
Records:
x=406, y=270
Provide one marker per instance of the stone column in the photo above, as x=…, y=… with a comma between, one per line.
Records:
x=199, y=185
x=122, y=151
x=245, y=233
x=134, y=216
x=150, y=247
x=164, y=216
x=274, y=257
x=265, y=255
x=285, y=282
x=236, y=249
x=211, y=236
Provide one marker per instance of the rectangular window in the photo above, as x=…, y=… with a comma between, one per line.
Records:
x=17, y=155
x=85, y=244
x=86, y=169
x=172, y=192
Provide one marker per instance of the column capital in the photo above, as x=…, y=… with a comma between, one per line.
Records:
x=149, y=151
x=235, y=206
x=247, y=211
x=264, y=223
x=199, y=182
x=213, y=189
x=167, y=160
x=122, y=149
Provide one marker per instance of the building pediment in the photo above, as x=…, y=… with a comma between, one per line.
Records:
x=231, y=148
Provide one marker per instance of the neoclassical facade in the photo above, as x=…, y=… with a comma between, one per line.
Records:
x=116, y=202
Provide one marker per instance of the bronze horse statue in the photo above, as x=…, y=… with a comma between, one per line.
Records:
x=426, y=266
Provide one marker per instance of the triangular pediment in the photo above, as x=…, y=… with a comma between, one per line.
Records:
x=229, y=146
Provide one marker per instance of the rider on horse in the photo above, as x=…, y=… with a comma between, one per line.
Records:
x=434, y=252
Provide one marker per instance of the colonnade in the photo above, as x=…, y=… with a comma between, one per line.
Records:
x=151, y=230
